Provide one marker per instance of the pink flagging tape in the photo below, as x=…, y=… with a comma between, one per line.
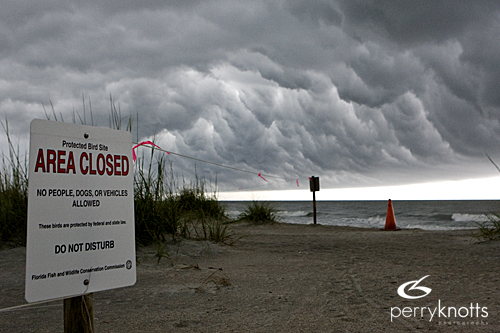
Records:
x=144, y=143
x=208, y=162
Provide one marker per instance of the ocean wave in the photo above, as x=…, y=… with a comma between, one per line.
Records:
x=457, y=217
x=281, y=213
x=376, y=220
x=370, y=222
x=433, y=227
x=233, y=214
x=298, y=213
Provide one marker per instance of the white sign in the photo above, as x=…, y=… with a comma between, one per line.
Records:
x=81, y=235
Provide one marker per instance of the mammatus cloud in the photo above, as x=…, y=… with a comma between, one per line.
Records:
x=360, y=92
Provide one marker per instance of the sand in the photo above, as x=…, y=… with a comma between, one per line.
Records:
x=288, y=278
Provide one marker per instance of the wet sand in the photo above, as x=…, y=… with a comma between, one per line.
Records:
x=288, y=278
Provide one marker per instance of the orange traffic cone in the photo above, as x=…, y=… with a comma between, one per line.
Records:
x=390, y=221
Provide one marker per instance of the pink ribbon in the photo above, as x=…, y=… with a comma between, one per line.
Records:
x=134, y=156
x=144, y=143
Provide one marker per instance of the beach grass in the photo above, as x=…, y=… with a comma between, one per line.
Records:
x=163, y=209
x=259, y=212
x=489, y=230
x=13, y=194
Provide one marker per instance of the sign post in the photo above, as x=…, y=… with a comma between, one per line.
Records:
x=80, y=235
x=79, y=314
x=314, y=186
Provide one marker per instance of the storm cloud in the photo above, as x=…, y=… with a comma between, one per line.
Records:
x=360, y=93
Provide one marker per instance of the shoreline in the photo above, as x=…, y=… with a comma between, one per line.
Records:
x=286, y=277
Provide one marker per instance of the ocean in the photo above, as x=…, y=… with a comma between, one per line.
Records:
x=427, y=215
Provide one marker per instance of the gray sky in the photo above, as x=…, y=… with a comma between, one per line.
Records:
x=360, y=93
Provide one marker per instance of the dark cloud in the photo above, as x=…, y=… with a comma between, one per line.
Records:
x=360, y=92
x=410, y=22
x=319, y=12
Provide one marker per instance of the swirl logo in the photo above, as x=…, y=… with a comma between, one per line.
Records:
x=414, y=285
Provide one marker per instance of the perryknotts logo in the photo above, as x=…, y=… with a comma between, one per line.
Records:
x=472, y=314
x=414, y=285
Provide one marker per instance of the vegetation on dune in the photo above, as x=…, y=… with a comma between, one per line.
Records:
x=162, y=209
x=13, y=195
x=489, y=230
x=259, y=212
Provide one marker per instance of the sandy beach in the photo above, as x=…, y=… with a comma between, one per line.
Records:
x=289, y=278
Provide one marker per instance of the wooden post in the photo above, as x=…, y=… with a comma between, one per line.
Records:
x=79, y=314
x=314, y=206
x=314, y=186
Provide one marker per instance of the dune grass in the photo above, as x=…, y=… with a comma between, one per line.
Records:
x=259, y=212
x=13, y=194
x=489, y=230
x=163, y=209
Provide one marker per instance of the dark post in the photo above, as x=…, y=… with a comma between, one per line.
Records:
x=314, y=206
x=79, y=314
x=314, y=186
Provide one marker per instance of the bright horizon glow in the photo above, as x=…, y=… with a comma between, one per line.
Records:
x=469, y=189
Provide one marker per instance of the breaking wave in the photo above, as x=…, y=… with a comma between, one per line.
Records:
x=457, y=217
